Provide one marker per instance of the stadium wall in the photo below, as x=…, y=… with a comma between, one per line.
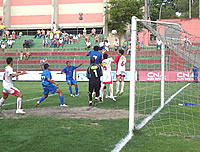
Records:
x=32, y=14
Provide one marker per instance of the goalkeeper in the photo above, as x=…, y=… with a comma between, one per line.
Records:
x=195, y=70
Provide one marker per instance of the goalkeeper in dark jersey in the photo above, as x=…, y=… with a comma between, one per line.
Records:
x=94, y=72
x=195, y=70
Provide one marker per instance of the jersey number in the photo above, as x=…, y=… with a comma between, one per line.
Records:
x=94, y=56
x=105, y=68
x=43, y=78
x=122, y=64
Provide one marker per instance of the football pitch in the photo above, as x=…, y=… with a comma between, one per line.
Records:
x=51, y=131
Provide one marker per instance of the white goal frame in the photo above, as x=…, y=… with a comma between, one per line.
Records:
x=132, y=93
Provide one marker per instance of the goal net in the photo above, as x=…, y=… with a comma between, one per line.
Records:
x=166, y=98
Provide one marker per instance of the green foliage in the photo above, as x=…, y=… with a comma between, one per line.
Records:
x=120, y=13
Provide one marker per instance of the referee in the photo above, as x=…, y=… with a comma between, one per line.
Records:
x=94, y=72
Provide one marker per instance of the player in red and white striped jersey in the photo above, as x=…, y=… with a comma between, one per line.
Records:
x=120, y=60
x=8, y=87
x=107, y=76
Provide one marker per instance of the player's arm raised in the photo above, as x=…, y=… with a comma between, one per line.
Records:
x=79, y=65
x=52, y=81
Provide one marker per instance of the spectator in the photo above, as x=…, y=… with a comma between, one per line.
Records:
x=129, y=50
x=93, y=32
x=4, y=36
x=43, y=33
x=75, y=39
x=55, y=43
x=9, y=43
x=48, y=34
x=2, y=27
x=38, y=34
x=159, y=44
x=13, y=35
x=51, y=35
x=20, y=35
x=86, y=38
x=7, y=34
x=84, y=31
x=107, y=45
x=116, y=44
x=27, y=55
x=58, y=32
x=45, y=43
x=96, y=39
x=3, y=46
x=21, y=54
x=66, y=39
x=88, y=45
x=70, y=39
x=54, y=27
x=125, y=45
x=60, y=42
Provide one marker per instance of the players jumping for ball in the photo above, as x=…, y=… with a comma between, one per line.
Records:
x=8, y=87
x=69, y=71
x=49, y=86
x=120, y=60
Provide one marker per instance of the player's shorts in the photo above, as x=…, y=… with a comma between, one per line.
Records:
x=51, y=88
x=107, y=78
x=10, y=90
x=120, y=74
x=71, y=81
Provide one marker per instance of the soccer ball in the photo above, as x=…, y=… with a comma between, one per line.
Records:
x=114, y=32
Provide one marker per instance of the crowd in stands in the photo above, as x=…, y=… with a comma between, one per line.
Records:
x=56, y=38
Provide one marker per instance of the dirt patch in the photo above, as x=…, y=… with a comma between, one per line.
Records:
x=92, y=113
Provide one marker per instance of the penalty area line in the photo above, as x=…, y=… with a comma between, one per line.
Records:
x=26, y=100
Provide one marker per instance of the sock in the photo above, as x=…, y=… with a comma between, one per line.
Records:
x=196, y=80
x=101, y=90
x=19, y=103
x=111, y=90
x=117, y=86
x=41, y=99
x=122, y=87
x=2, y=101
x=70, y=89
x=76, y=90
x=61, y=100
x=106, y=92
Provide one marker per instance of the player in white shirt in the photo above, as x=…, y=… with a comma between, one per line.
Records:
x=8, y=87
x=107, y=76
x=120, y=60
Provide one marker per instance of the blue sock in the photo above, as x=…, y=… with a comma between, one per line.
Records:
x=61, y=100
x=41, y=99
x=70, y=89
x=196, y=80
x=76, y=90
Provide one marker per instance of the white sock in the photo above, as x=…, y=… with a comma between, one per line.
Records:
x=122, y=87
x=19, y=103
x=101, y=90
x=106, y=92
x=117, y=86
x=2, y=101
x=111, y=90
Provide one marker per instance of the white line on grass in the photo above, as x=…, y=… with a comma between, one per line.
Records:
x=146, y=120
x=26, y=100
x=122, y=142
x=125, y=140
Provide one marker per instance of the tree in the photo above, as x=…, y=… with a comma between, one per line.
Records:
x=120, y=13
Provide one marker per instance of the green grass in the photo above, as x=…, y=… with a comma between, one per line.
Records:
x=43, y=133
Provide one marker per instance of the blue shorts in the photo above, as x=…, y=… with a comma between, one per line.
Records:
x=51, y=88
x=71, y=81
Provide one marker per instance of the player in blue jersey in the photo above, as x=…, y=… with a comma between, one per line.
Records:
x=195, y=70
x=49, y=86
x=95, y=54
x=69, y=71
